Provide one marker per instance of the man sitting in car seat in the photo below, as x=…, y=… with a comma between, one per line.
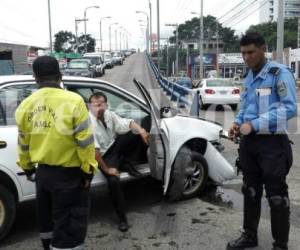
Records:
x=119, y=142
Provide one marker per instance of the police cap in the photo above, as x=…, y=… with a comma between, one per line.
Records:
x=45, y=66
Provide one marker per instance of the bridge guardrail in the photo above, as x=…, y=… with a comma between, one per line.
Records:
x=184, y=97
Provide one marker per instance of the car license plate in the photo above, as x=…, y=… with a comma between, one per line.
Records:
x=223, y=92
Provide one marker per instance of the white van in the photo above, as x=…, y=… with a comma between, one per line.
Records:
x=97, y=59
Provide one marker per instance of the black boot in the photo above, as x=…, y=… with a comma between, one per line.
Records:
x=248, y=239
x=280, y=221
x=46, y=244
x=278, y=248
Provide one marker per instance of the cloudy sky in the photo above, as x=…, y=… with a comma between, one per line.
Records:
x=26, y=21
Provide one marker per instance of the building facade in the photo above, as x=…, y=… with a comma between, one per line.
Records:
x=269, y=10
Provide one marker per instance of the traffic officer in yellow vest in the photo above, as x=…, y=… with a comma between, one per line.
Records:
x=56, y=149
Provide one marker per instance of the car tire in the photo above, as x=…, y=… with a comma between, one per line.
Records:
x=234, y=107
x=189, y=175
x=7, y=211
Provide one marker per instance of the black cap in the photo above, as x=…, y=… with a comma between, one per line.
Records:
x=45, y=66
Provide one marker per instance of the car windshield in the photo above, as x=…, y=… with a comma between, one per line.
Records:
x=94, y=60
x=78, y=65
x=116, y=54
x=107, y=56
x=219, y=83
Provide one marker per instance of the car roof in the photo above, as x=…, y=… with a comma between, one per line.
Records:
x=19, y=78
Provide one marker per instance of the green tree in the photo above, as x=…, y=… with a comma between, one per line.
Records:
x=269, y=31
x=91, y=43
x=190, y=31
x=65, y=41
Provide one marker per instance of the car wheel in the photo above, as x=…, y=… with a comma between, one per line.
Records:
x=7, y=211
x=234, y=107
x=189, y=175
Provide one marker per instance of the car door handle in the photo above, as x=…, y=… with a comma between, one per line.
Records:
x=3, y=144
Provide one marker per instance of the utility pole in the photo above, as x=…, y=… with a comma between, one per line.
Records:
x=76, y=31
x=217, y=54
x=158, y=37
x=298, y=41
x=177, y=51
x=280, y=31
x=201, y=42
x=50, y=29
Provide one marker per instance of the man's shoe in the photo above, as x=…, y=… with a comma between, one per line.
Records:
x=244, y=241
x=123, y=226
x=130, y=169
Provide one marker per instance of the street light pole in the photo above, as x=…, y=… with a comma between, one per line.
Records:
x=147, y=29
x=177, y=49
x=50, y=29
x=150, y=38
x=106, y=17
x=84, y=17
x=110, y=35
x=158, y=37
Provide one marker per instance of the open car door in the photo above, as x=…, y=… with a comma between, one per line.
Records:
x=158, y=154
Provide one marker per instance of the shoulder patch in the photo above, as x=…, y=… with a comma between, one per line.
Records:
x=274, y=70
x=281, y=89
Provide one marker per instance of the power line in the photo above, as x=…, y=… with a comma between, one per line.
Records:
x=235, y=16
x=236, y=6
x=264, y=3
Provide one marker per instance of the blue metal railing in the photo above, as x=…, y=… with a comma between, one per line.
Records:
x=177, y=93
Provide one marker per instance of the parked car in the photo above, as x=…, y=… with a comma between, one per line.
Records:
x=219, y=91
x=108, y=60
x=117, y=58
x=80, y=67
x=183, y=151
x=98, y=62
x=128, y=53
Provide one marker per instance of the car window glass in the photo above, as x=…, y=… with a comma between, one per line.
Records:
x=118, y=103
x=219, y=83
x=10, y=99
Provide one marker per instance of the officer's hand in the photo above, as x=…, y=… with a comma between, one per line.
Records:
x=246, y=128
x=113, y=171
x=145, y=136
x=234, y=131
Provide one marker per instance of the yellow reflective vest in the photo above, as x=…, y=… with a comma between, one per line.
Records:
x=54, y=129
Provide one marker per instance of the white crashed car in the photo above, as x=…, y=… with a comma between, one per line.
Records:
x=183, y=151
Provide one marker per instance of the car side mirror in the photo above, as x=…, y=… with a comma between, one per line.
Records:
x=167, y=112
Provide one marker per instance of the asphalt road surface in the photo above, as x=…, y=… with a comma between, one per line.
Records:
x=206, y=222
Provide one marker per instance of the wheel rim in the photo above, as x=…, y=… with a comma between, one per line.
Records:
x=194, y=179
x=2, y=213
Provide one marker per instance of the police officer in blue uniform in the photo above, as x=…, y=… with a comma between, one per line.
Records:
x=268, y=102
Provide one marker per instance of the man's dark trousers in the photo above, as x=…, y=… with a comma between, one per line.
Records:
x=62, y=206
x=266, y=160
